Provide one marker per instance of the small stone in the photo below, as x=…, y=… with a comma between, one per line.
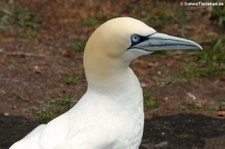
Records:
x=143, y=84
x=159, y=72
x=14, y=107
x=192, y=96
x=37, y=69
x=163, y=133
x=3, y=91
x=6, y=114
x=166, y=98
x=221, y=113
x=161, y=144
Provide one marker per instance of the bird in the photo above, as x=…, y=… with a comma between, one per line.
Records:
x=110, y=115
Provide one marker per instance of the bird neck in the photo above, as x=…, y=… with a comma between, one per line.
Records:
x=110, y=81
x=106, y=72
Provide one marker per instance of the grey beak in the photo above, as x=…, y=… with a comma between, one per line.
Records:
x=159, y=41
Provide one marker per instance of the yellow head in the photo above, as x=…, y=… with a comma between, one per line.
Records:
x=117, y=42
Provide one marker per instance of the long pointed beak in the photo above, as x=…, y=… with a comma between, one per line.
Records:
x=159, y=41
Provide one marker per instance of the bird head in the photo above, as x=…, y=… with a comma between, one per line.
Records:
x=117, y=42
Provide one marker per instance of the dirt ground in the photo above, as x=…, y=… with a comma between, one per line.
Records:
x=37, y=74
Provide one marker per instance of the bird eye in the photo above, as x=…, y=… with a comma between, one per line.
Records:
x=135, y=38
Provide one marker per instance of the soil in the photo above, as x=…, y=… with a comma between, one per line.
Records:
x=180, y=131
x=31, y=74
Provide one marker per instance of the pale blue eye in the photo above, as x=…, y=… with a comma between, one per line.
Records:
x=135, y=38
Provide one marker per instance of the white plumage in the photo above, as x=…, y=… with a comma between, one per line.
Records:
x=110, y=114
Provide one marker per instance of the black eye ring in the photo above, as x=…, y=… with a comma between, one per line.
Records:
x=135, y=39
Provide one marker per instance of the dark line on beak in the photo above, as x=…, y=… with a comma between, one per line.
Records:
x=166, y=39
x=164, y=45
x=161, y=45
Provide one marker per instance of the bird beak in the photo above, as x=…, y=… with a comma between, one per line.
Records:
x=159, y=41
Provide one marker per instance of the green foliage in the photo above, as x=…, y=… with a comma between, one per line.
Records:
x=177, y=79
x=150, y=101
x=70, y=80
x=216, y=105
x=18, y=96
x=191, y=106
x=78, y=45
x=90, y=21
x=211, y=61
x=19, y=18
x=159, y=20
x=208, y=62
x=218, y=14
x=51, y=109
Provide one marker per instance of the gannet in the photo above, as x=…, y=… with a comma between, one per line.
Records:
x=110, y=114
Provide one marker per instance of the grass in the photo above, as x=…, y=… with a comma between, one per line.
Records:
x=89, y=21
x=216, y=105
x=207, y=63
x=159, y=20
x=191, y=106
x=175, y=80
x=150, y=101
x=20, y=19
x=78, y=45
x=93, y=20
x=197, y=105
x=211, y=61
x=18, y=96
x=218, y=14
x=70, y=80
x=53, y=108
